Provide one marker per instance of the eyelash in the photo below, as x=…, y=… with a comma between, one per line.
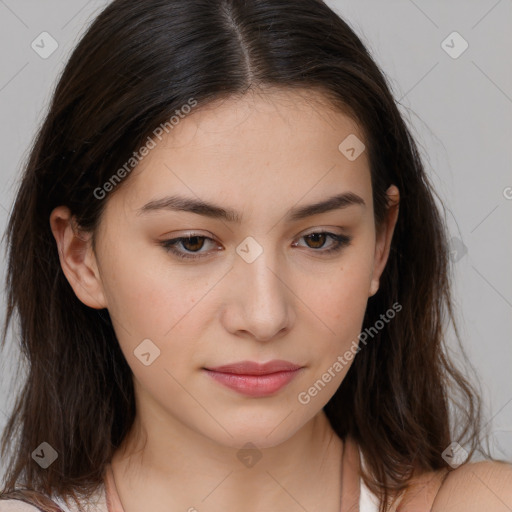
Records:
x=341, y=241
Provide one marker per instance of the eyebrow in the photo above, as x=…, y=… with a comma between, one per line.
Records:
x=187, y=204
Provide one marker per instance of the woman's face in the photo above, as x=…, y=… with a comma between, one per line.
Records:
x=260, y=283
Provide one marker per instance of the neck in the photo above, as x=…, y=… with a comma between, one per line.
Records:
x=158, y=470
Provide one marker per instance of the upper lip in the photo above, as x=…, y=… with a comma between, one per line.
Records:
x=254, y=368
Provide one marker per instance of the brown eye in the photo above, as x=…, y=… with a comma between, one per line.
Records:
x=318, y=239
x=189, y=246
x=194, y=243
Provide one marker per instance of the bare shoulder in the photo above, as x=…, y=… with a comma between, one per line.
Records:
x=475, y=487
x=421, y=492
x=16, y=506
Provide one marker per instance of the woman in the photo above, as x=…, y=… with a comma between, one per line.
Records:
x=232, y=278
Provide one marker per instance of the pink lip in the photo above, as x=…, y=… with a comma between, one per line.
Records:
x=254, y=379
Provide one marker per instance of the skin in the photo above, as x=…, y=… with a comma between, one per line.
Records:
x=290, y=303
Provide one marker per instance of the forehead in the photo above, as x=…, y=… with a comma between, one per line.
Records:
x=260, y=145
x=262, y=116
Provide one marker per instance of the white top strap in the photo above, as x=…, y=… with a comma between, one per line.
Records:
x=368, y=502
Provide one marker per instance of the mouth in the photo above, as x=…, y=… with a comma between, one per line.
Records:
x=255, y=379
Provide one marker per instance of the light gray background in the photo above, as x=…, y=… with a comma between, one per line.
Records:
x=460, y=110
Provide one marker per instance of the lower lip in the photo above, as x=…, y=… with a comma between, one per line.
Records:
x=254, y=385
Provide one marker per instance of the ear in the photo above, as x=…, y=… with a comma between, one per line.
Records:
x=77, y=258
x=383, y=238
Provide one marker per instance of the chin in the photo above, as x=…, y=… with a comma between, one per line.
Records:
x=265, y=433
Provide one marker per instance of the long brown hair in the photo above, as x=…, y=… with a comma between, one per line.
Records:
x=135, y=66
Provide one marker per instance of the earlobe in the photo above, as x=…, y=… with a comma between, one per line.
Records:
x=374, y=287
x=77, y=258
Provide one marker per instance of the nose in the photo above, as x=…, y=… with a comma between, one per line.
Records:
x=260, y=301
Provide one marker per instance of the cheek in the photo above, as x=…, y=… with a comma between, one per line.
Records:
x=147, y=291
x=339, y=301
x=157, y=330
x=341, y=295
x=150, y=302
